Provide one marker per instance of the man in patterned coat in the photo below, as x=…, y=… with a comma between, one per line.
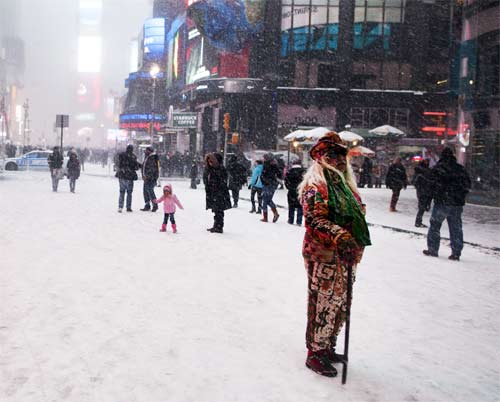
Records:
x=336, y=234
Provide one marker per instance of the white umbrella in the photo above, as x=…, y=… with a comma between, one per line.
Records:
x=349, y=136
x=387, y=130
x=309, y=135
x=361, y=151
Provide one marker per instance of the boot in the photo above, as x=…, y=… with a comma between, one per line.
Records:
x=155, y=208
x=147, y=207
x=163, y=228
x=319, y=363
x=216, y=230
x=174, y=228
x=253, y=208
x=264, y=217
x=259, y=210
x=276, y=215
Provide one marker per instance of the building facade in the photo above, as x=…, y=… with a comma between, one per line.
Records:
x=12, y=65
x=477, y=86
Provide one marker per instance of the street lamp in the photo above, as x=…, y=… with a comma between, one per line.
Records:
x=153, y=72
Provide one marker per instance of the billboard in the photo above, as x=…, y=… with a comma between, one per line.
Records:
x=228, y=25
x=154, y=39
x=89, y=53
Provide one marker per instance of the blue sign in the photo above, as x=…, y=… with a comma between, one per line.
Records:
x=141, y=117
x=154, y=39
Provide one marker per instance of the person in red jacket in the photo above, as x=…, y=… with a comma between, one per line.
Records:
x=335, y=237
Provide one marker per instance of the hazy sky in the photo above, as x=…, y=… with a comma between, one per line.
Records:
x=50, y=30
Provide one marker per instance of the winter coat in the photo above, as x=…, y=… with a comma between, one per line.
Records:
x=325, y=240
x=127, y=166
x=237, y=175
x=255, y=180
x=193, y=174
x=55, y=160
x=150, y=170
x=422, y=182
x=396, y=177
x=270, y=173
x=73, y=167
x=169, y=203
x=292, y=181
x=215, y=180
x=450, y=182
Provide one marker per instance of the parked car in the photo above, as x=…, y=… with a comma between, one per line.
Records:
x=36, y=160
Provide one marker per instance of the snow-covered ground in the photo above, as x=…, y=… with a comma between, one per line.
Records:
x=100, y=306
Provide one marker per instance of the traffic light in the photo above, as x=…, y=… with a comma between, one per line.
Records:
x=235, y=138
x=227, y=121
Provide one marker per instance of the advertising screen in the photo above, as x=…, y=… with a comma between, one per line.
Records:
x=228, y=25
x=154, y=39
x=201, y=58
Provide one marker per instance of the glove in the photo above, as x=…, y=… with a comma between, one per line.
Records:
x=347, y=248
x=249, y=186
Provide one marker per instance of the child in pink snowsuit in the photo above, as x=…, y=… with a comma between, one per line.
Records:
x=169, y=200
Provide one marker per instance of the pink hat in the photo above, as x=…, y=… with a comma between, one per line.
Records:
x=167, y=187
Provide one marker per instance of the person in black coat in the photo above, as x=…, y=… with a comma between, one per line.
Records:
x=422, y=183
x=396, y=180
x=55, y=161
x=237, y=177
x=366, y=173
x=126, y=174
x=150, y=174
x=450, y=185
x=193, y=174
x=73, y=169
x=293, y=178
x=217, y=193
x=271, y=174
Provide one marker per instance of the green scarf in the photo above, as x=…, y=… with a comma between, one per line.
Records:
x=344, y=209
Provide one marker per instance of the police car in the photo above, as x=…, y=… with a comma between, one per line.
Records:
x=31, y=160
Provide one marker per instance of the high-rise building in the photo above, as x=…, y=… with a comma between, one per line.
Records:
x=477, y=84
x=12, y=66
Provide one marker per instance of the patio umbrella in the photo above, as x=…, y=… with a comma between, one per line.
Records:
x=387, y=130
x=307, y=135
x=361, y=151
x=349, y=136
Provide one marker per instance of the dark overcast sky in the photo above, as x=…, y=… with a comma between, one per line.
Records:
x=50, y=31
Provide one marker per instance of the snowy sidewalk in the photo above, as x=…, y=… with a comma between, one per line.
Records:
x=100, y=306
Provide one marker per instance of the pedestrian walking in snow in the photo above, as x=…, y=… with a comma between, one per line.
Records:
x=423, y=185
x=150, y=174
x=170, y=201
x=217, y=193
x=293, y=178
x=335, y=237
x=256, y=187
x=55, y=161
x=193, y=174
x=271, y=174
x=396, y=180
x=126, y=174
x=237, y=177
x=451, y=184
x=73, y=169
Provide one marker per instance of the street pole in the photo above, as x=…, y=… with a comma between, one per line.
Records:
x=153, y=110
x=62, y=128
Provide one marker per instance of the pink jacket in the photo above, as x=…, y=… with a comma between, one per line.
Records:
x=169, y=203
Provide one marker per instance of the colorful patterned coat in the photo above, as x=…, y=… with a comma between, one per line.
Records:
x=324, y=240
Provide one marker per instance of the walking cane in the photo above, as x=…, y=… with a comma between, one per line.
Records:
x=344, y=358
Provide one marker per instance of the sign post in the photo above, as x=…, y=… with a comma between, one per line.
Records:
x=62, y=121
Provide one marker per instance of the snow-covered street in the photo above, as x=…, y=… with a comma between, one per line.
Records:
x=100, y=306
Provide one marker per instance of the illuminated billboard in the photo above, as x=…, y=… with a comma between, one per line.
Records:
x=154, y=39
x=89, y=54
x=228, y=25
